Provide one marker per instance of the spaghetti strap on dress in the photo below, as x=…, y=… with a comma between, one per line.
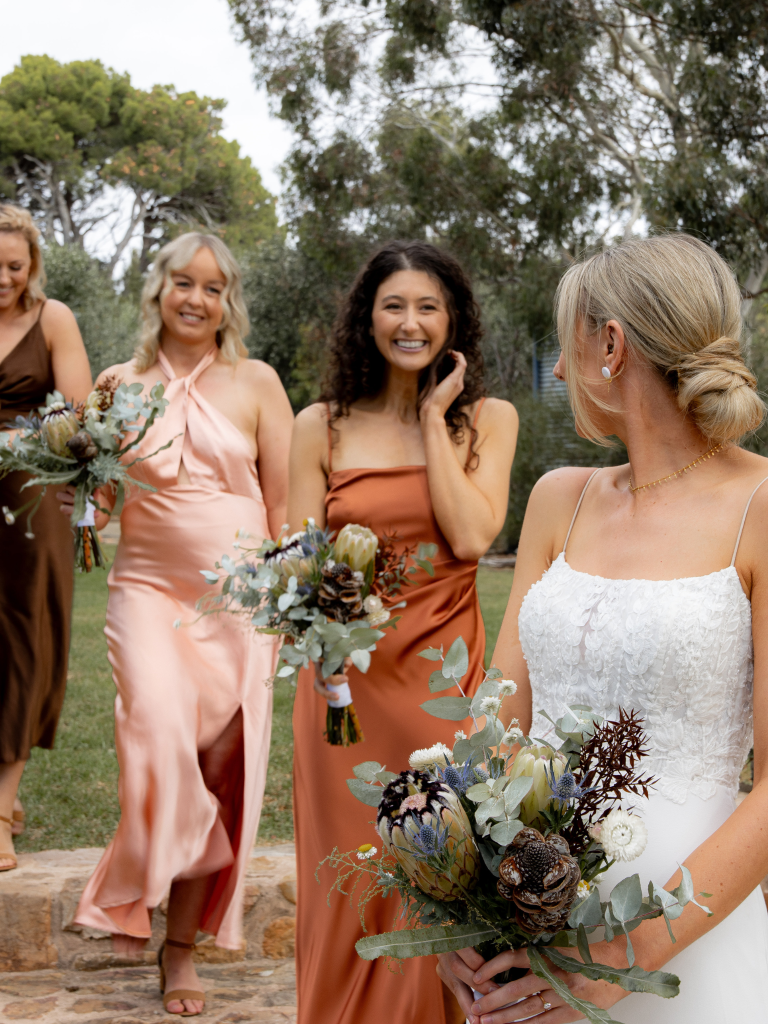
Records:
x=36, y=575
x=178, y=688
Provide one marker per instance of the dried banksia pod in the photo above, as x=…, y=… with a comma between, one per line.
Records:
x=82, y=447
x=58, y=426
x=339, y=595
x=541, y=878
x=423, y=825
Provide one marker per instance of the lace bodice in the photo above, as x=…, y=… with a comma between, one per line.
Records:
x=678, y=652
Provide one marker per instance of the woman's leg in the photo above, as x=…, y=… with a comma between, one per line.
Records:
x=10, y=777
x=221, y=766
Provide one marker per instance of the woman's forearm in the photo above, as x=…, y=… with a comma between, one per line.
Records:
x=464, y=514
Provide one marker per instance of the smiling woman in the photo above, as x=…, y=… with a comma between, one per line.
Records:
x=406, y=444
x=193, y=713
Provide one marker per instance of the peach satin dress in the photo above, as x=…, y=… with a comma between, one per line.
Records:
x=334, y=985
x=177, y=689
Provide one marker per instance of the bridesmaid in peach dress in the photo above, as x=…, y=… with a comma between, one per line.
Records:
x=193, y=713
x=407, y=444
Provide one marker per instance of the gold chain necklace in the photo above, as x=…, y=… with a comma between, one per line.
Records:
x=691, y=465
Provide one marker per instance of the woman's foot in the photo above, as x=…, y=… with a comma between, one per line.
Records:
x=18, y=817
x=180, y=973
x=7, y=854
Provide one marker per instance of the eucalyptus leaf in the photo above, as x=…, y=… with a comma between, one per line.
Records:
x=588, y=913
x=461, y=751
x=454, y=709
x=456, y=661
x=385, y=777
x=370, y=795
x=431, y=654
x=367, y=770
x=437, y=682
x=423, y=941
x=361, y=660
x=479, y=792
x=517, y=790
x=626, y=898
x=505, y=831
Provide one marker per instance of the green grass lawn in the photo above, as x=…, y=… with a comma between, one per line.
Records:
x=70, y=793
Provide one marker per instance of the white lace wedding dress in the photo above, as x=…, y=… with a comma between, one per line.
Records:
x=679, y=652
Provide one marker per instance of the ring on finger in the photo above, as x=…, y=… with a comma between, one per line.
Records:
x=544, y=1003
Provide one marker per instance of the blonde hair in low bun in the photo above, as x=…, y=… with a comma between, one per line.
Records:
x=680, y=308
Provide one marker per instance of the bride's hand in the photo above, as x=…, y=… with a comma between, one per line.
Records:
x=66, y=499
x=531, y=997
x=321, y=685
x=456, y=971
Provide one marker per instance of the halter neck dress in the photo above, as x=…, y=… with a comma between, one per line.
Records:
x=334, y=985
x=36, y=575
x=679, y=652
x=178, y=688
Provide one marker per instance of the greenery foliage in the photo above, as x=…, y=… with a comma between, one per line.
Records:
x=87, y=151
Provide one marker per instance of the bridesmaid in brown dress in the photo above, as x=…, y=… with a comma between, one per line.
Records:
x=40, y=351
x=405, y=445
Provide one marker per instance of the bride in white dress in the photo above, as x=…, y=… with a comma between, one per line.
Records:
x=662, y=606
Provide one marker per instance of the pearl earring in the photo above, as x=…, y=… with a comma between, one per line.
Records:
x=606, y=373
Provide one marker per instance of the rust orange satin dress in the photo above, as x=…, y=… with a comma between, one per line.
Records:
x=334, y=985
x=177, y=689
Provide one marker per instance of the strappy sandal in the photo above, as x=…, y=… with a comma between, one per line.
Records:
x=8, y=856
x=19, y=818
x=177, y=993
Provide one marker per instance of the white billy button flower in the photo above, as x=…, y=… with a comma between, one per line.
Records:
x=459, y=735
x=622, y=835
x=513, y=734
x=376, y=612
x=507, y=688
x=490, y=705
x=428, y=757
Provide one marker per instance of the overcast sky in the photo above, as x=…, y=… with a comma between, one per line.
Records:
x=190, y=45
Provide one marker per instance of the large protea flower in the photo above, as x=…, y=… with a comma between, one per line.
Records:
x=356, y=545
x=340, y=595
x=423, y=825
x=58, y=426
x=544, y=764
x=541, y=878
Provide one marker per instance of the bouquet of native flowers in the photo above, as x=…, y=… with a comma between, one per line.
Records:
x=325, y=595
x=82, y=445
x=499, y=842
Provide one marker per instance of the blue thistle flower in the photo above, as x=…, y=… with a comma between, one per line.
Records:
x=459, y=778
x=566, y=788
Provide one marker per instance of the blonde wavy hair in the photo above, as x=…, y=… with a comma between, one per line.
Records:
x=680, y=308
x=175, y=256
x=13, y=219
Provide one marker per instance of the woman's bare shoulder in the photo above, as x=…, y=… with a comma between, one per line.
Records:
x=561, y=487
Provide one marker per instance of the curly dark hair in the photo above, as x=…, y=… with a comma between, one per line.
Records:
x=356, y=368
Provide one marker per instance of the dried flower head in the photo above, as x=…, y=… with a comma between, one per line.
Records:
x=622, y=835
x=507, y=688
x=490, y=705
x=429, y=757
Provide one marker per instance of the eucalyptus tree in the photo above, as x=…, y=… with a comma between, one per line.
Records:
x=559, y=123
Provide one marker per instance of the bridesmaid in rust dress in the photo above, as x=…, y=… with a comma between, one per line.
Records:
x=40, y=351
x=405, y=444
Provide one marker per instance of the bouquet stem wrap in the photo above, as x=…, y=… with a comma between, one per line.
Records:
x=342, y=726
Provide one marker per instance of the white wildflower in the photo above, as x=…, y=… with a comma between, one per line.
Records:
x=622, y=835
x=459, y=735
x=428, y=757
x=373, y=604
x=9, y=517
x=507, y=687
x=513, y=734
x=490, y=705
x=366, y=851
x=236, y=545
x=176, y=623
x=583, y=890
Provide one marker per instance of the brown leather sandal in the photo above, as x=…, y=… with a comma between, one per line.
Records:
x=177, y=993
x=8, y=856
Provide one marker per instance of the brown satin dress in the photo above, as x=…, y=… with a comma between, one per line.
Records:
x=36, y=576
x=334, y=985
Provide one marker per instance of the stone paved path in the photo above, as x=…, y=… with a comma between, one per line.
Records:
x=258, y=991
